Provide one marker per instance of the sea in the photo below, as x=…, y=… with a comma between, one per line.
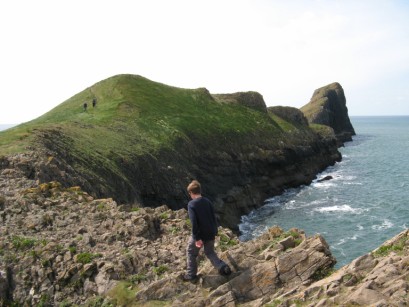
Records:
x=366, y=202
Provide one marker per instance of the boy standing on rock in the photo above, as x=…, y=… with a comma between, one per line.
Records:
x=204, y=231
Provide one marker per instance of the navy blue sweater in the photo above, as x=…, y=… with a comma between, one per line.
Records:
x=203, y=219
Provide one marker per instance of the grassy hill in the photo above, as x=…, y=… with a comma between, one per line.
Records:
x=141, y=114
x=144, y=141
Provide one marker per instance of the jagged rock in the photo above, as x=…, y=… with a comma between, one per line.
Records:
x=252, y=100
x=51, y=264
x=293, y=115
x=325, y=178
x=328, y=107
x=379, y=278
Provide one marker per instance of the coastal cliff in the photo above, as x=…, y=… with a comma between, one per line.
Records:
x=144, y=141
x=92, y=201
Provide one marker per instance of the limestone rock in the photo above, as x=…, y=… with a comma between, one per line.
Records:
x=328, y=107
x=90, y=248
x=252, y=100
x=379, y=278
x=293, y=115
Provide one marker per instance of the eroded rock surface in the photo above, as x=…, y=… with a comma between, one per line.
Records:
x=61, y=246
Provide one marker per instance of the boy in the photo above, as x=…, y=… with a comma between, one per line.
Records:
x=204, y=231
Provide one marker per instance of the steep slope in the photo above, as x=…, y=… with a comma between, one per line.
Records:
x=328, y=107
x=144, y=141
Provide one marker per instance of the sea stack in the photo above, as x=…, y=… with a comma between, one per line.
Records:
x=328, y=107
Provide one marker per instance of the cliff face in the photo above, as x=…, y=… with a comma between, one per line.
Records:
x=238, y=174
x=328, y=107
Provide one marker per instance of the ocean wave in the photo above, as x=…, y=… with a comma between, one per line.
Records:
x=341, y=208
x=386, y=224
x=345, y=240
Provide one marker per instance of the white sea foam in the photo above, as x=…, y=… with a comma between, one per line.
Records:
x=342, y=208
x=385, y=225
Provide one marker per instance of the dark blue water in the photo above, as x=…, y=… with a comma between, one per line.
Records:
x=365, y=204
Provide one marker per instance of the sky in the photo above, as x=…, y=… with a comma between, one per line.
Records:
x=283, y=49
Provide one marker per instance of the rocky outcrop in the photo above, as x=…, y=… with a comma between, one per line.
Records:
x=379, y=278
x=328, y=107
x=290, y=114
x=60, y=246
x=252, y=100
x=269, y=266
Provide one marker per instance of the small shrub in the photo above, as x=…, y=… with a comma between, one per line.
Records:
x=101, y=207
x=175, y=230
x=226, y=242
x=122, y=294
x=137, y=278
x=322, y=273
x=59, y=248
x=85, y=258
x=46, y=220
x=98, y=302
x=22, y=243
x=386, y=249
x=2, y=201
x=35, y=254
x=44, y=301
x=164, y=216
x=160, y=270
x=65, y=303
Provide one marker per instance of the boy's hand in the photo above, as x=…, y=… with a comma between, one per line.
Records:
x=199, y=243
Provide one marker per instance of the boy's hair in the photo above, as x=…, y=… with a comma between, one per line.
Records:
x=194, y=187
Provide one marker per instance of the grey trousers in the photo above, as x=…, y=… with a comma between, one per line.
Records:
x=192, y=253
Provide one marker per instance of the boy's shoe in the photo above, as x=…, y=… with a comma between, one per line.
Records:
x=225, y=270
x=192, y=279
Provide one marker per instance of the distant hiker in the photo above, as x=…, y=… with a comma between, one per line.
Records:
x=204, y=231
x=85, y=106
x=94, y=102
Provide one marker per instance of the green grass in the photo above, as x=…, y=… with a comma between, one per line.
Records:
x=385, y=250
x=23, y=243
x=143, y=114
x=123, y=294
x=160, y=270
x=86, y=257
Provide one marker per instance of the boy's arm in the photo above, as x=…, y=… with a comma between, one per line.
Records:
x=195, y=226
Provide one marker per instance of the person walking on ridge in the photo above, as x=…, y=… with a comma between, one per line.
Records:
x=204, y=231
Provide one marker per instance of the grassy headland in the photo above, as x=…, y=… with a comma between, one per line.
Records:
x=143, y=134
x=134, y=114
